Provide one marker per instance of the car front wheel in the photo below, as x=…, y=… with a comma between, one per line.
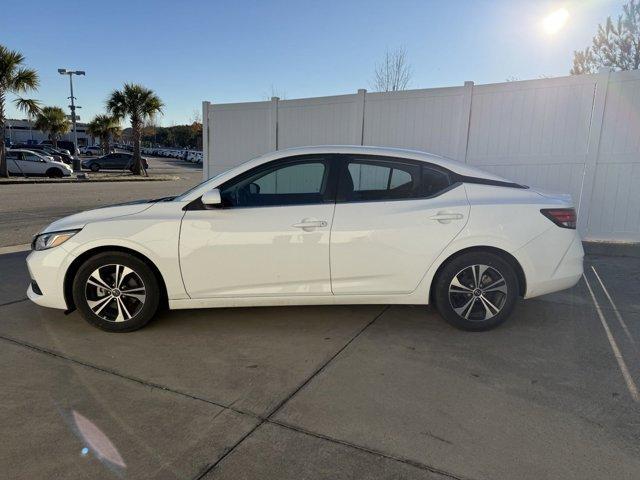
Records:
x=94, y=167
x=116, y=292
x=476, y=291
x=54, y=173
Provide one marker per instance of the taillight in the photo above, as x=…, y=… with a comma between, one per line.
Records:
x=563, y=217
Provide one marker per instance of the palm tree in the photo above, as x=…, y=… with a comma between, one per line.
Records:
x=104, y=127
x=139, y=104
x=14, y=79
x=54, y=121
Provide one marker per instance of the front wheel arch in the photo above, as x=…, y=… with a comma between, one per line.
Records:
x=75, y=266
x=522, y=279
x=54, y=172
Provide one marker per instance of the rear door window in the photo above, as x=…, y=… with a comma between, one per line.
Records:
x=383, y=178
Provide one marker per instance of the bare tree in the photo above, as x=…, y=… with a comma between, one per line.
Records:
x=394, y=72
x=196, y=116
x=275, y=92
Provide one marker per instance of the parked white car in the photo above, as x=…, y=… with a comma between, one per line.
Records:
x=27, y=162
x=93, y=150
x=316, y=225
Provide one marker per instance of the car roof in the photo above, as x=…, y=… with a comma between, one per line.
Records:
x=23, y=150
x=39, y=154
x=450, y=164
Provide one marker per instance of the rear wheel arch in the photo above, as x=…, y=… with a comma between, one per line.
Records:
x=513, y=262
x=82, y=258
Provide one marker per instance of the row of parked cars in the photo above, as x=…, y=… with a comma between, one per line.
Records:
x=31, y=161
x=45, y=160
x=192, y=156
x=56, y=162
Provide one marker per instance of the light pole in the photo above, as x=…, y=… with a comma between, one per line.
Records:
x=71, y=73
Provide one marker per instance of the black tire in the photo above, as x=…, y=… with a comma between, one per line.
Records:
x=95, y=167
x=54, y=173
x=470, y=308
x=109, y=319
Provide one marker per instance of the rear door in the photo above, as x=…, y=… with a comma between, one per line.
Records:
x=106, y=161
x=116, y=161
x=393, y=217
x=12, y=162
x=124, y=160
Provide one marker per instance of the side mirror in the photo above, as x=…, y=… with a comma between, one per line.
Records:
x=212, y=198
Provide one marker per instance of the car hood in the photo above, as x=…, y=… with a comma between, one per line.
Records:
x=79, y=220
x=59, y=164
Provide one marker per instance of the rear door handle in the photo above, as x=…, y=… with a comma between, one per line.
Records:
x=444, y=217
x=309, y=225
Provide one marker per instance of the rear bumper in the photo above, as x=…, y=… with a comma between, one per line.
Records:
x=555, y=262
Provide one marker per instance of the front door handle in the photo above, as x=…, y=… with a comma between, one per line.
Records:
x=309, y=224
x=444, y=217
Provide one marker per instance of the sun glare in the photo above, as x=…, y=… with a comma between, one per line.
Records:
x=554, y=22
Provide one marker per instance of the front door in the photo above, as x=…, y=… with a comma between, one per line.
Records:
x=271, y=236
x=393, y=218
x=12, y=162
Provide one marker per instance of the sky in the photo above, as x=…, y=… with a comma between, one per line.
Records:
x=238, y=51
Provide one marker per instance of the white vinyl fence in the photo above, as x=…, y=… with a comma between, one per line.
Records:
x=577, y=135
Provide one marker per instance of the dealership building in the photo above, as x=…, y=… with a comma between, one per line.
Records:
x=22, y=131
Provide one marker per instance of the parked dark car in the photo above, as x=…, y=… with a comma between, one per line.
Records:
x=66, y=144
x=56, y=153
x=112, y=161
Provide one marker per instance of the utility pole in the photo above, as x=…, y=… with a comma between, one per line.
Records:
x=73, y=106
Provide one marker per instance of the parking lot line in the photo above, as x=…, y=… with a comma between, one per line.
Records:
x=623, y=324
x=631, y=386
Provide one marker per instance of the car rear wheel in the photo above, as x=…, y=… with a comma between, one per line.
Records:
x=476, y=291
x=116, y=292
x=94, y=167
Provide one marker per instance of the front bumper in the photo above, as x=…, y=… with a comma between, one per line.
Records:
x=47, y=268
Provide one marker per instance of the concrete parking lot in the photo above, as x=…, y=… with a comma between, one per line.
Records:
x=335, y=392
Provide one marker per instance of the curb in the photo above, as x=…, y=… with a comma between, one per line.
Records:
x=612, y=249
x=15, y=248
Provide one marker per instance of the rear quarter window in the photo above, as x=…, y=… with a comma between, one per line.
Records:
x=434, y=181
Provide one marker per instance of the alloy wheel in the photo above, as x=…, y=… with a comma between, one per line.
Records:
x=115, y=293
x=477, y=292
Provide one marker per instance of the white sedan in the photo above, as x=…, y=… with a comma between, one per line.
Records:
x=316, y=226
x=27, y=162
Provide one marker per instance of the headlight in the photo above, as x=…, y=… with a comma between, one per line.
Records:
x=53, y=239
